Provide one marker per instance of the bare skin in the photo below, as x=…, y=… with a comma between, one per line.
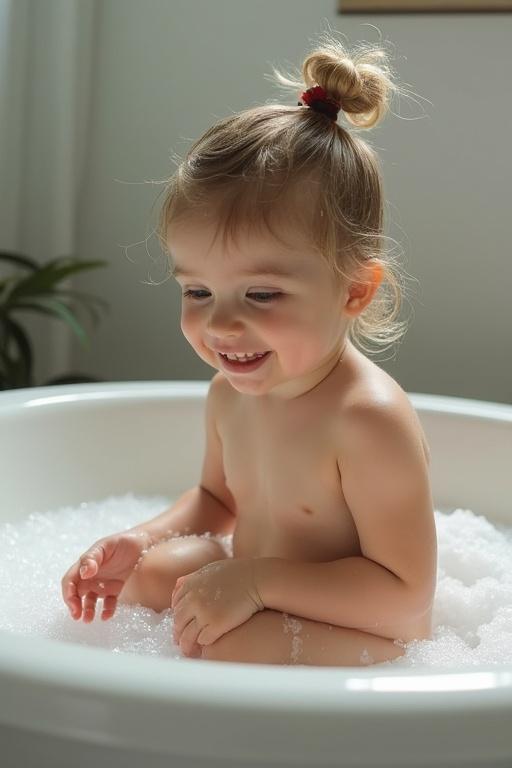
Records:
x=282, y=513
x=270, y=466
x=284, y=433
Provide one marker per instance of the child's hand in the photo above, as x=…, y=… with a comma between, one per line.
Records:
x=102, y=572
x=213, y=600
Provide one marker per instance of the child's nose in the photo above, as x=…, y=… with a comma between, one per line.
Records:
x=225, y=321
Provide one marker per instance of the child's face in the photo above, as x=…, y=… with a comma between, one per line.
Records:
x=297, y=317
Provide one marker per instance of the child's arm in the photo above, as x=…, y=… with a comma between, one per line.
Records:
x=104, y=568
x=384, y=476
x=209, y=506
x=195, y=512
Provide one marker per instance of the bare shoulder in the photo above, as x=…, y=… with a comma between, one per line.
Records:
x=376, y=401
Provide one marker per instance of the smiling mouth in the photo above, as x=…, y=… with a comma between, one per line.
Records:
x=243, y=357
x=247, y=364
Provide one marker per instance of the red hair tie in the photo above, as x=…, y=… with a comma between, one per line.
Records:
x=318, y=99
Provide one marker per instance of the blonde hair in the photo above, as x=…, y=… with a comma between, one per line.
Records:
x=262, y=164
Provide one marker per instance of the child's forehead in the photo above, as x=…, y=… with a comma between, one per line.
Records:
x=197, y=239
x=247, y=236
x=266, y=215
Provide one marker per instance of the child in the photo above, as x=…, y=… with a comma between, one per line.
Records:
x=315, y=459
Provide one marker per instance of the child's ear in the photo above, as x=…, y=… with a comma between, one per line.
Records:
x=362, y=290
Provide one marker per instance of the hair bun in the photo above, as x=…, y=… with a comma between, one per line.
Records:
x=361, y=82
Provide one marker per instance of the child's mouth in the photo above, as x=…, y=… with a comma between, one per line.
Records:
x=243, y=366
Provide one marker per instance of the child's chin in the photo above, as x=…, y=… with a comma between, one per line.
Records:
x=246, y=387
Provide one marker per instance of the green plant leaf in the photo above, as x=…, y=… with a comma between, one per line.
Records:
x=19, y=260
x=6, y=288
x=46, y=305
x=7, y=371
x=85, y=298
x=50, y=306
x=51, y=273
x=17, y=371
x=68, y=265
x=88, y=300
x=38, y=292
x=33, y=307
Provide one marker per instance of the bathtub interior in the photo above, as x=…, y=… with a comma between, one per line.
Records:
x=63, y=445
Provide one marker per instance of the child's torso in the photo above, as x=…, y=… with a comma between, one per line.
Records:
x=281, y=467
x=283, y=475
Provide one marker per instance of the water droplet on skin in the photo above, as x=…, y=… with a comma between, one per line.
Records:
x=292, y=625
x=297, y=647
x=365, y=657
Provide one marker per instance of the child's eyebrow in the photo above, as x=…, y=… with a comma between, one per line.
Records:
x=261, y=270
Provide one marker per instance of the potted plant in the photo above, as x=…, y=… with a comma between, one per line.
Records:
x=36, y=290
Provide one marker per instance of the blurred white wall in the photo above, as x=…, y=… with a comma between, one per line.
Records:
x=166, y=69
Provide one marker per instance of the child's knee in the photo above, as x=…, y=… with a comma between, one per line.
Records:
x=152, y=582
x=223, y=649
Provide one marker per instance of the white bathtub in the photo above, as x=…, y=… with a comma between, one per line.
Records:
x=66, y=705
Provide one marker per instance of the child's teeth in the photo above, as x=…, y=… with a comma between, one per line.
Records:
x=252, y=356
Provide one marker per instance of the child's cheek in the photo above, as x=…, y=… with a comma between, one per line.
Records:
x=190, y=332
x=193, y=331
x=190, y=326
x=300, y=349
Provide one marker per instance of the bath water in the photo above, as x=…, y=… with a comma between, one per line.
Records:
x=472, y=617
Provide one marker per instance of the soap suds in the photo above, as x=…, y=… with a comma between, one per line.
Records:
x=294, y=626
x=472, y=615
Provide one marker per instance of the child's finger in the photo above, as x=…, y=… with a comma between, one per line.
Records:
x=89, y=606
x=91, y=561
x=88, y=567
x=71, y=597
x=188, y=637
x=176, y=592
x=75, y=607
x=68, y=589
x=109, y=607
x=196, y=651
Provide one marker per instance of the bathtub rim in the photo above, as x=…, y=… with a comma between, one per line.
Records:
x=47, y=692
x=54, y=660
x=128, y=390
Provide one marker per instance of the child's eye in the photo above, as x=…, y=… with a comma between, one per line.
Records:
x=193, y=295
x=267, y=296
x=261, y=296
